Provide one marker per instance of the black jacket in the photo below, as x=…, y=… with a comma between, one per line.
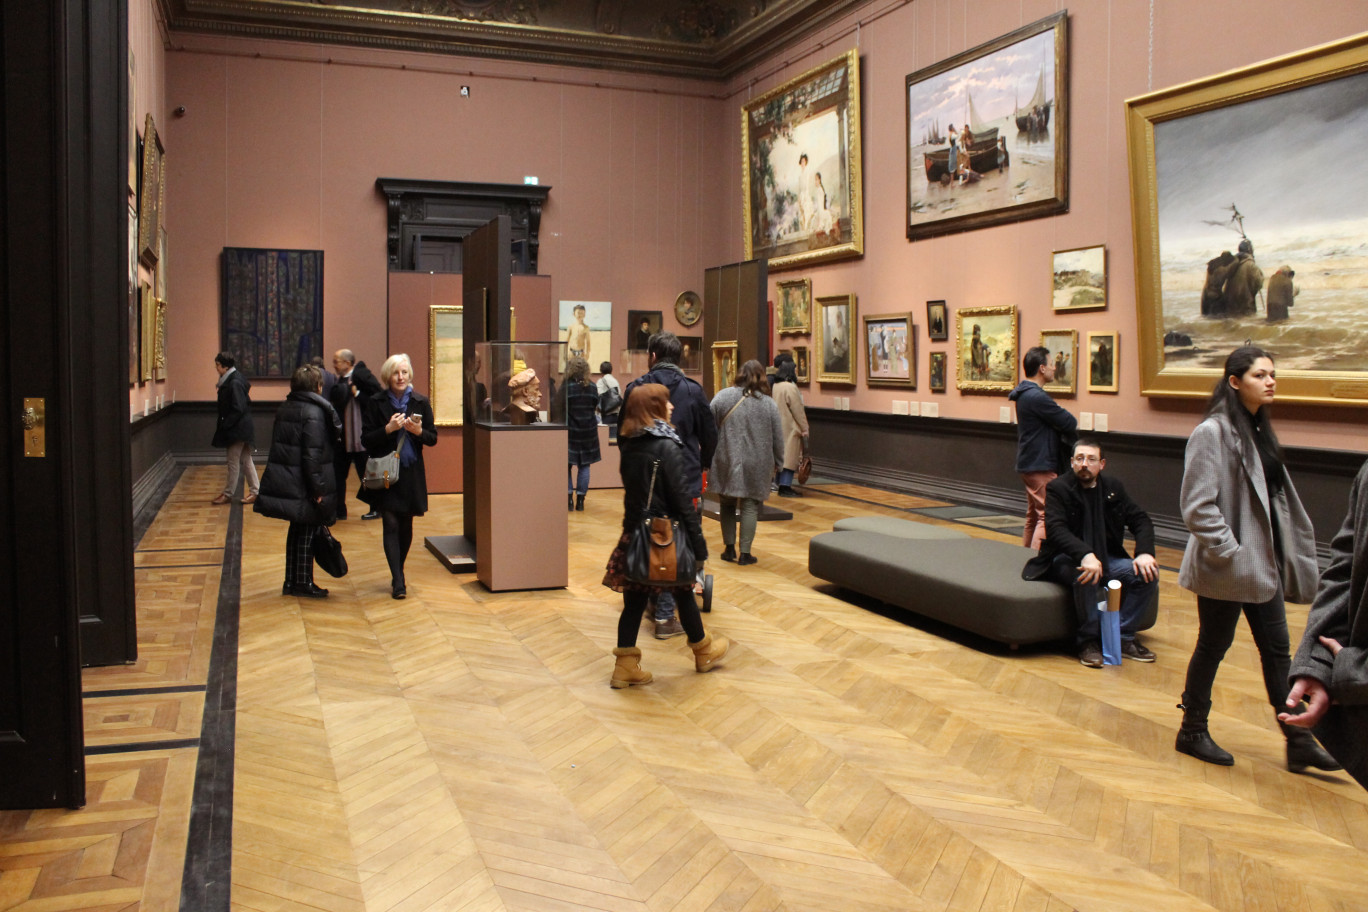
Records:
x=1045, y=430
x=670, y=496
x=234, y=411
x=299, y=469
x=409, y=494
x=362, y=379
x=1064, y=523
x=692, y=419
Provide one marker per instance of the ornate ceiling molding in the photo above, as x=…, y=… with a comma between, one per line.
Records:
x=702, y=39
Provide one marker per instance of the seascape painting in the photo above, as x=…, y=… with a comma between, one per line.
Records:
x=987, y=133
x=1080, y=279
x=1291, y=200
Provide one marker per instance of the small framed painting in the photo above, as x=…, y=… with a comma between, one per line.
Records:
x=1080, y=279
x=691, y=354
x=891, y=350
x=937, y=322
x=641, y=325
x=723, y=365
x=836, y=318
x=937, y=361
x=795, y=306
x=986, y=348
x=1063, y=346
x=1102, y=372
x=800, y=364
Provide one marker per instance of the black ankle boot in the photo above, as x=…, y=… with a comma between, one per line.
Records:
x=579, y=502
x=570, y=501
x=1303, y=751
x=1193, y=737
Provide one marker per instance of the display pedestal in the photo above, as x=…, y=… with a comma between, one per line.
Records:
x=455, y=552
x=522, y=528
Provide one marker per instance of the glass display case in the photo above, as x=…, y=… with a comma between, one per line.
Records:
x=517, y=383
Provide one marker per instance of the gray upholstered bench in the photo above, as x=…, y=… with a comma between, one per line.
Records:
x=971, y=583
x=900, y=528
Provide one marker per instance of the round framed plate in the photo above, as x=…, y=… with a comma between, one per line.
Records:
x=688, y=308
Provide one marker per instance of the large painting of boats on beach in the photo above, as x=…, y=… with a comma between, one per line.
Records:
x=1250, y=225
x=987, y=133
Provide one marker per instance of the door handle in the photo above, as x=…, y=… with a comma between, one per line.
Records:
x=34, y=419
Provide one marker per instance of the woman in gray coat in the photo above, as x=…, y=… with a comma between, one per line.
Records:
x=1250, y=544
x=750, y=448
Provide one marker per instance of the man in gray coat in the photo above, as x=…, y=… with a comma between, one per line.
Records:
x=1330, y=670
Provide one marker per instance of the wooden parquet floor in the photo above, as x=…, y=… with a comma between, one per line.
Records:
x=461, y=750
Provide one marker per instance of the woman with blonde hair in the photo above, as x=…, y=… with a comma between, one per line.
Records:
x=398, y=419
x=750, y=449
x=650, y=450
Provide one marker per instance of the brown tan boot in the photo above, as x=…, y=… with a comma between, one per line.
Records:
x=709, y=651
x=628, y=670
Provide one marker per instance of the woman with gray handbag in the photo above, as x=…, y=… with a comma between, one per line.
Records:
x=654, y=482
x=398, y=420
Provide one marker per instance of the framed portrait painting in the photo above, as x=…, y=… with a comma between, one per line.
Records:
x=986, y=348
x=723, y=365
x=800, y=364
x=446, y=374
x=587, y=329
x=988, y=133
x=1215, y=213
x=1063, y=346
x=795, y=307
x=691, y=354
x=835, y=320
x=937, y=372
x=937, y=321
x=1102, y=364
x=641, y=325
x=800, y=173
x=1080, y=279
x=890, y=350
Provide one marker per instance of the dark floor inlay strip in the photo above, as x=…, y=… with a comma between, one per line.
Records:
x=144, y=691
x=206, y=880
x=137, y=746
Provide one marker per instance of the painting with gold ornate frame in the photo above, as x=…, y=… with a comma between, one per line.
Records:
x=986, y=349
x=800, y=174
x=800, y=364
x=152, y=184
x=446, y=376
x=1104, y=369
x=794, y=313
x=1199, y=188
x=723, y=365
x=836, y=321
x=1063, y=346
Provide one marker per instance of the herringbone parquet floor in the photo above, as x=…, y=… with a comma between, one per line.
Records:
x=461, y=750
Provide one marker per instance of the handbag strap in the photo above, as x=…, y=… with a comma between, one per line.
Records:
x=650, y=490
x=403, y=442
x=732, y=409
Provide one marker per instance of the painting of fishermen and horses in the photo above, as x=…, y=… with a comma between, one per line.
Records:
x=1250, y=226
x=987, y=133
x=801, y=174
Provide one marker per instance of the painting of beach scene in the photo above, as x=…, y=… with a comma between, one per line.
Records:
x=1250, y=225
x=987, y=133
x=1080, y=279
x=587, y=329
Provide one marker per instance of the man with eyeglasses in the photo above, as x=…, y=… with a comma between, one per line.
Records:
x=1087, y=516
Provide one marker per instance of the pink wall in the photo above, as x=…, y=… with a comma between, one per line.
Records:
x=149, y=96
x=283, y=149
x=1110, y=61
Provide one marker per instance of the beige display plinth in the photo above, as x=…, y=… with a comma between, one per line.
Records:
x=522, y=529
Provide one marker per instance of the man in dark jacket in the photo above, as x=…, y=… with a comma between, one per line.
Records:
x=693, y=422
x=300, y=485
x=355, y=384
x=1045, y=435
x=1088, y=516
x=234, y=429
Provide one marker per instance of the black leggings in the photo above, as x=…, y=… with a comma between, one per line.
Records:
x=398, y=535
x=634, y=603
x=1216, y=622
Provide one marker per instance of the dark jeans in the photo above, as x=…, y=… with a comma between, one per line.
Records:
x=398, y=536
x=342, y=463
x=580, y=485
x=634, y=603
x=1135, y=594
x=1216, y=621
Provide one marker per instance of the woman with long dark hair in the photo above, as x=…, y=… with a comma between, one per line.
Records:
x=651, y=449
x=581, y=422
x=1250, y=545
x=398, y=418
x=750, y=448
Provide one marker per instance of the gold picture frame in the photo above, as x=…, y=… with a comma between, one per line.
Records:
x=152, y=186
x=446, y=370
x=1104, y=368
x=1063, y=346
x=801, y=370
x=986, y=349
x=147, y=310
x=834, y=324
x=794, y=314
x=1079, y=279
x=801, y=193
x=1306, y=108
x=723, y=365
x=890, y=343
x=936, y=371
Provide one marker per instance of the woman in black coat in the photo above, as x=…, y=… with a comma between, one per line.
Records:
x=398, y=415
x=300, y=485
x=646, y=438
x=581, y=421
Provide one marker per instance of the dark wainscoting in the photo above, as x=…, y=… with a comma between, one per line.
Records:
x=971, y=462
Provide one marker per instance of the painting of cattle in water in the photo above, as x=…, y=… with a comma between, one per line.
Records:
x=1250, y=226
x=987, y=133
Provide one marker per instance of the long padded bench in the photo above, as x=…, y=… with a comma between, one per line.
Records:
x=971, y=583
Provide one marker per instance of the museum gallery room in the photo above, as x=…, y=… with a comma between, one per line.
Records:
x=902, y=209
